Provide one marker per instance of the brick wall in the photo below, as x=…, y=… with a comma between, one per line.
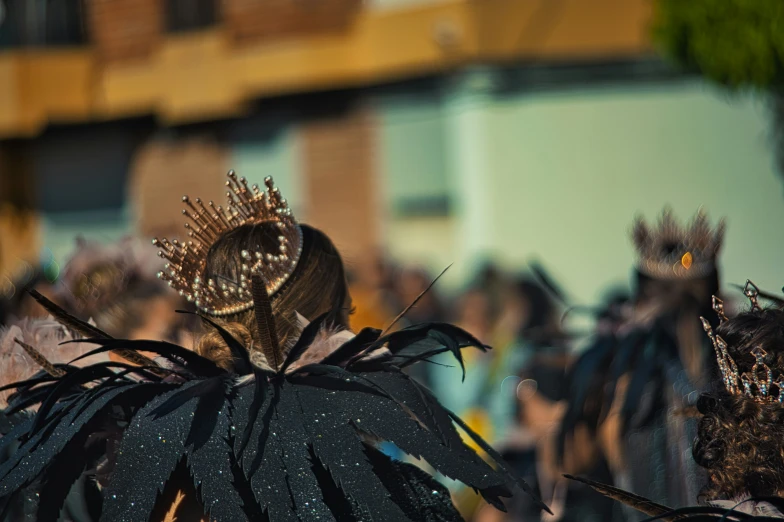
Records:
x=163, y=171
x=340, y=180
x=269, y=19
x=124, y=29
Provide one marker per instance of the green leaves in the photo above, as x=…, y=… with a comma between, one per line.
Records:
x=736, y=43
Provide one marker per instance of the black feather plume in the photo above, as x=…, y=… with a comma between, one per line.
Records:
x=637, y=502
x=284, y=445
x=238, y=352
x=415, y=301
x=77, y=325
x=265, y=322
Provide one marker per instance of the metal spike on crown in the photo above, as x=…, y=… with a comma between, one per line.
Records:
x=184, y=270
x=757, y=384
x=672, y=252
x=752, y=293
x=718, y=307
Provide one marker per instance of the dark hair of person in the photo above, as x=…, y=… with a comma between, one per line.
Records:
x=317, y=286
x=541, y=309
x=128, y=311
x=740, y=441
x=678, y=291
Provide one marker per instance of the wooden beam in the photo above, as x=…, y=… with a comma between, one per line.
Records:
x=207, y=75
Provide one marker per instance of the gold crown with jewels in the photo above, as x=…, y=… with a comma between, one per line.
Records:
x=246, y=205
x=757, y=384
x=674, y=252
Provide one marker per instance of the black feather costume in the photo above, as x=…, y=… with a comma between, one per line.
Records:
x=652, y=427
x=768, y=509
x=291, y=444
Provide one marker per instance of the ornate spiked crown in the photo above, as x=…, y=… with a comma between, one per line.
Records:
x=672, y=252
x=246, y=205
x=759, y=383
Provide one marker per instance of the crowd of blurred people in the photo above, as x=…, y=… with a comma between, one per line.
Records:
x=616, y=404
x=114, y=286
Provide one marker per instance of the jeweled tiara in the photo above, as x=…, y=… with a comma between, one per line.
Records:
x=758, y=384
x=246, y=205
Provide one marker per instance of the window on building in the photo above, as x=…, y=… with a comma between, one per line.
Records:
x=189, y=15
x=31, y=23
x=413, y=157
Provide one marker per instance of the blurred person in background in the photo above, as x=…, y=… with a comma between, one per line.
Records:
x=473, y=314
x=517, y=318
x=285, y=383
x=741, y=420
x=473, y=311
x=537, y=384
x=529, y=327
x=521, y=322
x=115, y=286
x=371, y=282
x=630, y=391
x=410, y=283
x=15, y=300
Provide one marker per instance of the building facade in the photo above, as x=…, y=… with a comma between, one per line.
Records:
x=438, y=131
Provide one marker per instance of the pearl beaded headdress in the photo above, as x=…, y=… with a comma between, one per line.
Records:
x=246, y=205
x=758, y=384
x=672, y=252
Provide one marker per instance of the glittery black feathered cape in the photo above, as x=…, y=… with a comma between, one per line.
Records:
x=282, y=445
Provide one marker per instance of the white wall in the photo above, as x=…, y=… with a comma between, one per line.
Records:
x=575, y=168
x=276, y=155
x=564, y=173
x=61, y=230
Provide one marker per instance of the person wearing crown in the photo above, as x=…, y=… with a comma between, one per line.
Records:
x=632, y=388
x=740, y=436
x=279, y=414
x=114, y=285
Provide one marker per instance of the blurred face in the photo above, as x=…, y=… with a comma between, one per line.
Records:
x=372, y=272
x=474, y=313
x=411, y=284
x=514, y=312
x=676, y=291
x=159, y=320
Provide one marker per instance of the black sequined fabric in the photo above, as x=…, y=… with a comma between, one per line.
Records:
x=280, y=446
x=421, y=497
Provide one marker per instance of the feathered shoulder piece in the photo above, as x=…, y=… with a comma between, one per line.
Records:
x=29, y=346
x=295, y=441
x=671, y=251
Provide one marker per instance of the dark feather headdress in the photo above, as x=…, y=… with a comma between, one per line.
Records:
x=290, y=443
x=30, y=345
x=670, y=251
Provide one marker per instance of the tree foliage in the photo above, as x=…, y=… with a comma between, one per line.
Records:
x=735, y=43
